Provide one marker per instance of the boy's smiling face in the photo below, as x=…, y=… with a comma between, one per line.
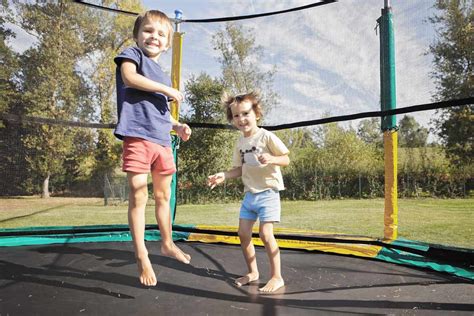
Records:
x=244, y=118
x=153, y=38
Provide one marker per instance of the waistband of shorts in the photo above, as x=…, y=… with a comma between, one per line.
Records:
x=276, y=191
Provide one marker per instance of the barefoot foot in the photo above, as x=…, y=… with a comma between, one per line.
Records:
x=145, y=269
x=272, y=285
x=246, y=279
x=176, y=253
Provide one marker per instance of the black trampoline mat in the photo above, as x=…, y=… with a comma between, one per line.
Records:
x=101, y=279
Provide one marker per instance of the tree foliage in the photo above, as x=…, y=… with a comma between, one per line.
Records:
x=369, y=131
x=68, y=74
x=51, y=81
x=239, y=56
x=207, y=150
x=12, y=164
x=8, y=64
x=113, y=34
x=210, y=151
x=411, y=133
x=453, y=53
x=351, y=152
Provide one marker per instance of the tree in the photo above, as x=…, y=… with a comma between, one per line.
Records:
x=207, y=150
x=13, y=164
x=113, y=34
x=453, y=53
x=8, y=64
x=343, y=152
x=369, y=132
x=303, y=149
x=329, y=161
x=210, y=150
x=53, y=84
x=411, y=134
x=240, y=72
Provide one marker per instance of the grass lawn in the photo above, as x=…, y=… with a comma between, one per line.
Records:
x=441, y=221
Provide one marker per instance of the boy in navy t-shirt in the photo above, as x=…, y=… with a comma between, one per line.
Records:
x=144, y=125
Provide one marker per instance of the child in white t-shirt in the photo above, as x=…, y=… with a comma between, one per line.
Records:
x=257, y=158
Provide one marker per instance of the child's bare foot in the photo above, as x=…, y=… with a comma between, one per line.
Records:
x=246, y=279
x=145, y=269
x=176, y=253
x=272, y=285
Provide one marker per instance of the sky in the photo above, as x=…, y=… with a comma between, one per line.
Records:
x=326, y=58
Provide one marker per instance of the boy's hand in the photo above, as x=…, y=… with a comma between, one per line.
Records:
x=175, y=95
x=215, y=179
x=183, y=131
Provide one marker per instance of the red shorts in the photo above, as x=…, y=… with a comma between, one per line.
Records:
x=142, y=156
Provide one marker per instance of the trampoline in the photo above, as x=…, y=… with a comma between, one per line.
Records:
x=100, y=279
x=89, y=271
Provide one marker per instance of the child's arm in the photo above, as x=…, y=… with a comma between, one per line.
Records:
x=182, y=129
x=133, y=79
x=281, y=161
x=220, y=177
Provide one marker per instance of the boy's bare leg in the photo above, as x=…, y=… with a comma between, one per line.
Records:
x=162, y=193
x=136, y=218
x=248, y=249
x=276, y=281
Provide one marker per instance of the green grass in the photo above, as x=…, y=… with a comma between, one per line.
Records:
x=441, y=221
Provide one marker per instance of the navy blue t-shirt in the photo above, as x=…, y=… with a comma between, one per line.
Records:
x=140, y=113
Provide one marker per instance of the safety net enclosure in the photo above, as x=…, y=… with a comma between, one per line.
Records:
x=373, y=99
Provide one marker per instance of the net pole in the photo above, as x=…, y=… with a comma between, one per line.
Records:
x=176, y=62
x=388, y=124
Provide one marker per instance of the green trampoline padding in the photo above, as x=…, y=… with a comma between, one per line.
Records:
x=433, y=257
x=72, y=234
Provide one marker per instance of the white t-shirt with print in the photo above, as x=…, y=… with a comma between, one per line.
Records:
x=255, y=176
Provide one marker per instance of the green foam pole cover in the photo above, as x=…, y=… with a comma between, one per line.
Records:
x=387, y=69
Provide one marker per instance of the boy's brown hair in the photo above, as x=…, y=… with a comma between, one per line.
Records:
x=154, y=15
x=252, y=97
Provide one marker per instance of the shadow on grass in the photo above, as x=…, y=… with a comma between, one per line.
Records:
x=32, y=214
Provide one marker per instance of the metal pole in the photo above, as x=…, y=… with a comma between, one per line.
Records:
x=178, y=15
x=176, y=62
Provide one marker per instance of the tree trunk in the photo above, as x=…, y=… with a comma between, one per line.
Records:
x=45, y=193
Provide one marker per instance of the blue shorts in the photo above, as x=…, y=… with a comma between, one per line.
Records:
x=263, y=205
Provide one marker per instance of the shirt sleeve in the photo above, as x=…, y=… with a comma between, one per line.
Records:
x=276, y=146
x=131, y=54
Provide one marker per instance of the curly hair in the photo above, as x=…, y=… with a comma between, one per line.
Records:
x=252, y=97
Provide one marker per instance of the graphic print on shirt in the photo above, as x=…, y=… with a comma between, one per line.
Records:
x=250, y=156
